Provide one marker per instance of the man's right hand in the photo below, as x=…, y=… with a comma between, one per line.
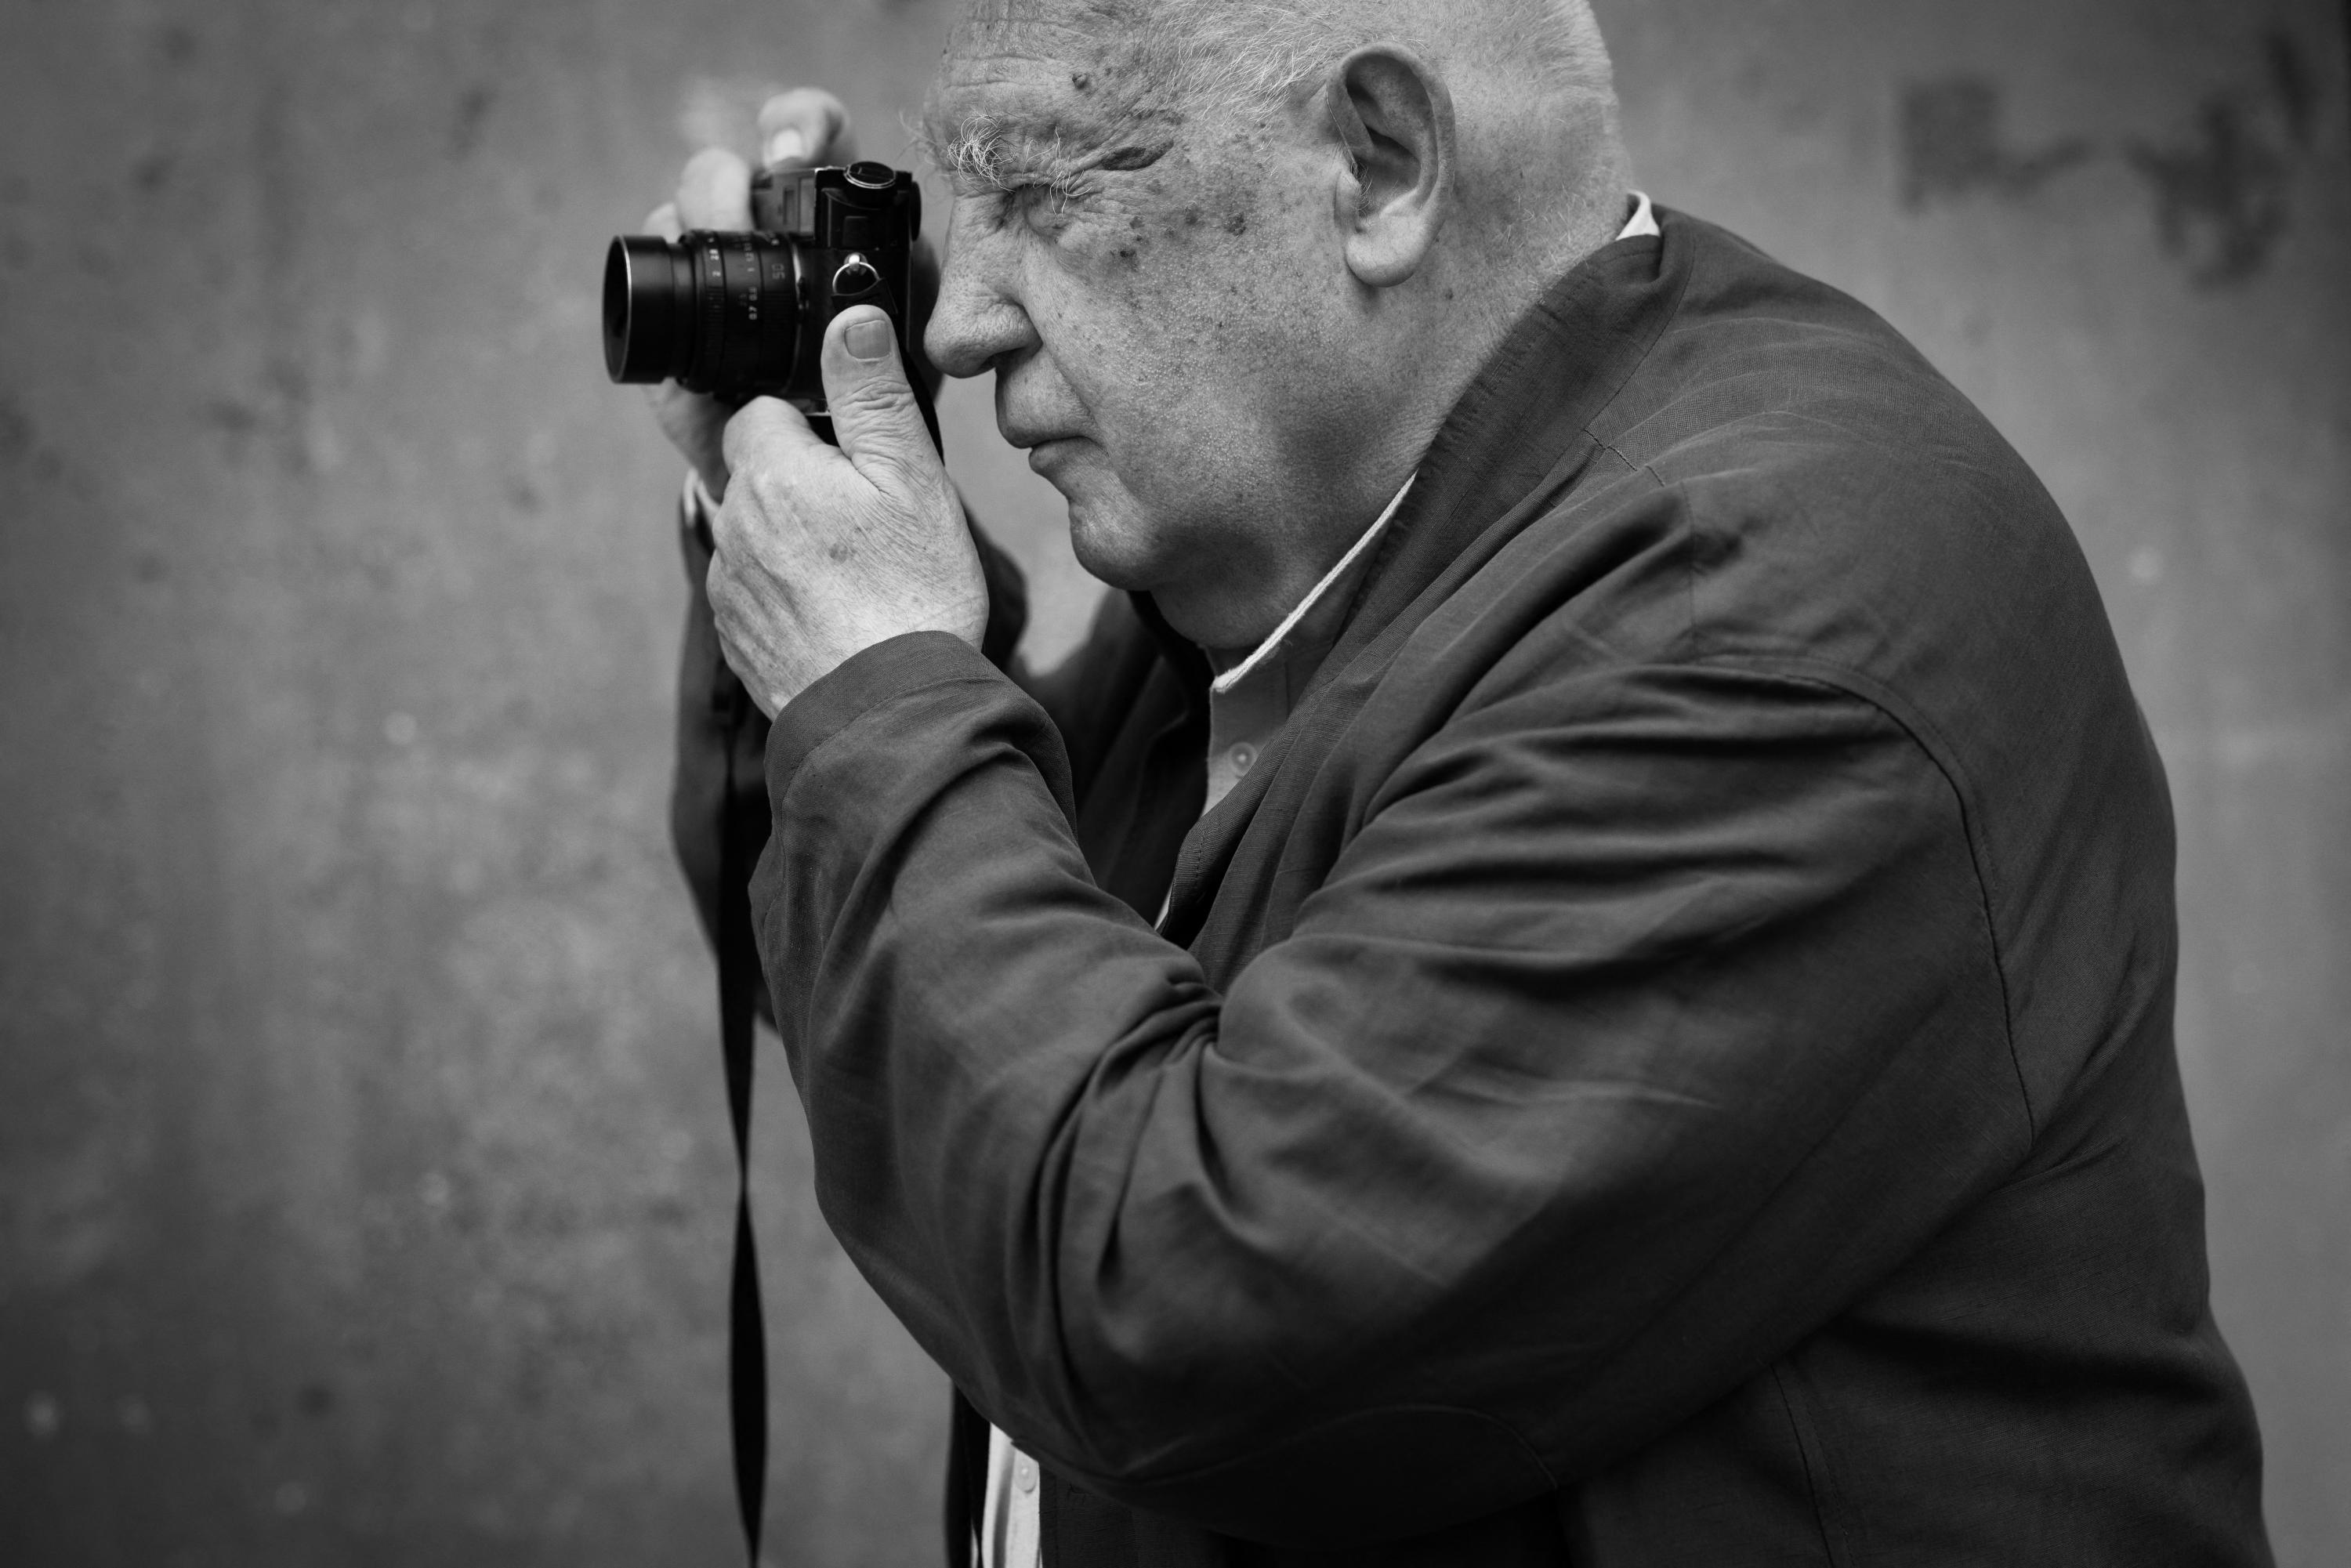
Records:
x=806, y=127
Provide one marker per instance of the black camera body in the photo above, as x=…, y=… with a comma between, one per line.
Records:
x=740, y=316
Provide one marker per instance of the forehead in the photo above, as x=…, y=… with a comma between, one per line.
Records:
x=1051, y=64
x=992, y=23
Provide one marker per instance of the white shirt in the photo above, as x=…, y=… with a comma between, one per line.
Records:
x=1248, y=705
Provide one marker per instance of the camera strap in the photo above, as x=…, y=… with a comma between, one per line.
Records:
x=742, y=833
x=744, y=825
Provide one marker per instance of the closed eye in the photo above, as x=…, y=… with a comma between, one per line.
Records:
x=983, y=159
x=1047, y=205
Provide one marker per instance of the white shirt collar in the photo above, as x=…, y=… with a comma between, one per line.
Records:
x=1644, y=219
x=1265, y=650
x=1643, y=225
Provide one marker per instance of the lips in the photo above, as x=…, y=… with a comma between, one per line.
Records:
x=1040, y=444
x=1043, y=454
x=1032, y=438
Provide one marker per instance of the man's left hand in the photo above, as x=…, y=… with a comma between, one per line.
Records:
x=823, y=551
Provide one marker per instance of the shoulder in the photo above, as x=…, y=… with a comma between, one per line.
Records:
x=1785, y=477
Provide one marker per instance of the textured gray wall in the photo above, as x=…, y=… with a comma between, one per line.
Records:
x=362, y=1172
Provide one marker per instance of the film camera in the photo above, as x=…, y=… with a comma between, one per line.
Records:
x=740, y=316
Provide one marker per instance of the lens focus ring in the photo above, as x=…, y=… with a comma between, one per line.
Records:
x=715, y=312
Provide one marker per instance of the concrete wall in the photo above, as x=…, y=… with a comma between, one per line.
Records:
x=362, y=1170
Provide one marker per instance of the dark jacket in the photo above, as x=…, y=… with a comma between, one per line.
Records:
x=1667, y=1060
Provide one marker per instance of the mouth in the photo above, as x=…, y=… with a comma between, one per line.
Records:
x=1046, y=452
x=1028, y=435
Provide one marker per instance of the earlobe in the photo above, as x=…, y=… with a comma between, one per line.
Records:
x=1392, y=119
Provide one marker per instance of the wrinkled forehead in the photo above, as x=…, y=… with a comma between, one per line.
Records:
x=986, y=20
x=1041, y=60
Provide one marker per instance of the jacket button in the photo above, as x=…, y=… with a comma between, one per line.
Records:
x=1242, y=756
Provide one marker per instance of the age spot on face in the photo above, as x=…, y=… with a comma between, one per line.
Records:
x=1237, y=224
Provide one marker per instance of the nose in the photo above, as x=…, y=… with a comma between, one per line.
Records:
x=979, y=318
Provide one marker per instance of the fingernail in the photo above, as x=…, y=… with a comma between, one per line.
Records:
x=786, y=145
x=868, y=340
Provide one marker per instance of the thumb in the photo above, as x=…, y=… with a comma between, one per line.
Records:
x=874, y=415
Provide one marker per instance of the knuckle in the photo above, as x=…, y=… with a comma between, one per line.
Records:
x=816, y=113
x=880, y=394
x=889, y=470
x=738, y=441
x=727, y=527
x=770, y=489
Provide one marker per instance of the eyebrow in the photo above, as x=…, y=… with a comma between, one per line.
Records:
x=989, y=152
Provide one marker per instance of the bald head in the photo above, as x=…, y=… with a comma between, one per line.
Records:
x=1263, y=48
x=1543, y=165
x=1244, y=50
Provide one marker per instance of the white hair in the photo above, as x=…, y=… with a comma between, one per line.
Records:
x=1238, y=53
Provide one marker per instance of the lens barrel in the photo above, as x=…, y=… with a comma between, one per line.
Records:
x=715, y=312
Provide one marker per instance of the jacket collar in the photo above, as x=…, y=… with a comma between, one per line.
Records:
x=1180, y=653
x=1515, y=434
x=1527, y=410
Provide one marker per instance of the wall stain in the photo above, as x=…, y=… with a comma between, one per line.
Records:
x=2294, y=87
x=2220, y=197
x=2223, y=186
x=17, y=437
x=277, y=417
x=1953, y=146
x=473, y=107
x=21, y=446
x=2223, y=192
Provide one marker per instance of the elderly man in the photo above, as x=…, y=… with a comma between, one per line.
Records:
x=1580, y=970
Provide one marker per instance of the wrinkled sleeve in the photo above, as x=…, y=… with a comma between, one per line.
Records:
x=1644, y=1020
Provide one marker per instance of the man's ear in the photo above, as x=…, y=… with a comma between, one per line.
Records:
x=1395, y=117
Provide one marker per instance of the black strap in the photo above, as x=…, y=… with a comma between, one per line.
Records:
x=743, y=830
x=739, y=842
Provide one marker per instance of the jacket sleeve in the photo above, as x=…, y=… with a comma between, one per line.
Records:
x=1643, y=1021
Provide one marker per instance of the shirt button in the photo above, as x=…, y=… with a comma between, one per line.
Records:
x=1242, y=756
x=1024, y=1473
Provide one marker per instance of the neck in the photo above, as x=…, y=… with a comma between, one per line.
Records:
x=1415, y=349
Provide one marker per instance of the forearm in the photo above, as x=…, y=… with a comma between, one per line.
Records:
x=1445, y=1172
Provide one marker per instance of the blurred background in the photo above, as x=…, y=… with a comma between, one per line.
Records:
x=364, y=1173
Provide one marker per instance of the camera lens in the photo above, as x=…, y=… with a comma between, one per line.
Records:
x=714, y=313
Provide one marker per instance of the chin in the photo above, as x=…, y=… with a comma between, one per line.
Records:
x=1110, y=537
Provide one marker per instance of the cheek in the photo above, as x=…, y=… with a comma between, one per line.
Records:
x=1154, y=373
x=1153, y=318
x=1146, y=319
